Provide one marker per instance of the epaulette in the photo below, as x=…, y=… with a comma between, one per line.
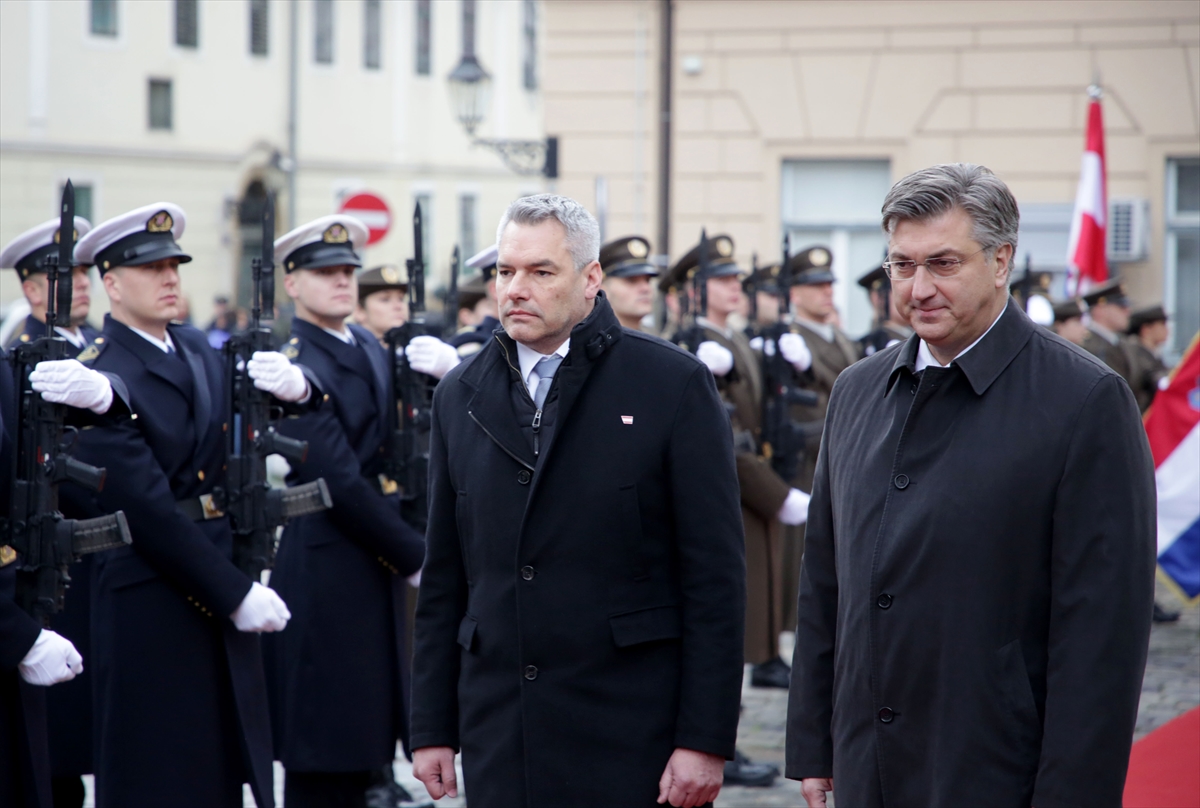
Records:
x=88, y=354
x=469, y=348
x=7, y=555
x=291, y=348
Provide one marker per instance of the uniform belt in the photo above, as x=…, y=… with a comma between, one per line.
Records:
x=198, y=509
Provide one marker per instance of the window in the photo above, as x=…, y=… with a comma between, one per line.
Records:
x=423, y=24
x=835, y=204
x=104, y=17
x=468, y=27
x=1182, y=287
x=425, y=200
x=372, y=32
x=466, y=224
x=529, y=63
x=323, y=31
x=187, y=24
x=160, y=103
x=83, y=199
x=258, y=27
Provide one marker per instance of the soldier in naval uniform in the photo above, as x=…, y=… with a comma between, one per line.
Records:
x=470, y=341
x=766, y=499
x=180, y=694
x=1107, y=322
x=69, y=707
x=811, y=297
x=889, y=328
x=628, y=276
x=339, y=674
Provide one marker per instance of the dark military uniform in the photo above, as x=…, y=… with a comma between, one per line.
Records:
x=35, y=328
x=1112, y=349
x=470, y=340
x=1146, y=368
x=339, y=674
x=885, y=332
x=829, y=358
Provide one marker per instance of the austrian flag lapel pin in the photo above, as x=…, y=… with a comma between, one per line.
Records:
x=627, y=420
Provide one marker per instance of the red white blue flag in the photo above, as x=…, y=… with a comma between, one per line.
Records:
x=1173, y=427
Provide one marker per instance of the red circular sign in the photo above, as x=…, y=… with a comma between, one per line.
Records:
x=372, y=211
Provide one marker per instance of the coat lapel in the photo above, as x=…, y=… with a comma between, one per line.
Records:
x=203, y=403
x=162, y=365
x=378, y=359
x=491, y=405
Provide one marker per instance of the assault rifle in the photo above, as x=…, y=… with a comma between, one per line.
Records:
x=47, y=543
x=690, y=338
x=407, y=463
x=450, y=326
x=256, y=510
x=783, y=440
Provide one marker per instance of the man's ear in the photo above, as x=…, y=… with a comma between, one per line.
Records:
x=1004, y=256
x=594, y=276
x=289, y=285
x=34, y=292
x=111, y=285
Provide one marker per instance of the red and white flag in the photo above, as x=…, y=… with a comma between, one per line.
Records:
x=1085, y=254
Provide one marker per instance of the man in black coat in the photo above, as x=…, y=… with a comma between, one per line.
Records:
x=976, y=593
x=338, y=674
x=181, y=705
x=579, y=625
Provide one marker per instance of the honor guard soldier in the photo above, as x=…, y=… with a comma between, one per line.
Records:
x=1068, y=321
x=469, y=342
x=811, y=297
x=889, y=328
x=1107, y=322
x=381, y=299
x=762, y=286
x=29, y=255
x=180, y=693
x=766, y=499
x=1147, y=334
x=1032, y=292
x=627, y=279
x=339, y=674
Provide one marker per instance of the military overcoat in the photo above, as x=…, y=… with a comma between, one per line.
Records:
x=581, y=606
x=976, y=594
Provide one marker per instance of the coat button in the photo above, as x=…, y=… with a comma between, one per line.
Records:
x=528, y=572
x=531, y=673
x=884, y=601
x=523, y=476
x=886, y=715
x=902, y=481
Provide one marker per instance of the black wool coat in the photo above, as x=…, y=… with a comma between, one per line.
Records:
x=581, y=608
x=180, y=694
x=338, y=675
x=976, y=592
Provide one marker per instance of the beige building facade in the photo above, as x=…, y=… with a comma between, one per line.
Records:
x=188, y=101
x=796, y=116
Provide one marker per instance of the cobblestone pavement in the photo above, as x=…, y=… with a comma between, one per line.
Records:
x=1171, y=688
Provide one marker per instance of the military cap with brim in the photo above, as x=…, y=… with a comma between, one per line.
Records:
x=331, y=241
x=719, y=264
x=485, y=261
x=141, y=236
x=810, y=266
x=30, y=252
x=377, y=279
x=875, y=279
x=763, y=279
x=627, y=257
x=1141, y=317
x=1112, y=292
x=1067, y=309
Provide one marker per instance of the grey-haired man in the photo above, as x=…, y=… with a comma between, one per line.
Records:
x=976, y=591
x=579, y=627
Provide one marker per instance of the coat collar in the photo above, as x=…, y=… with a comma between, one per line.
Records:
x=161, y=364
x=984, y=363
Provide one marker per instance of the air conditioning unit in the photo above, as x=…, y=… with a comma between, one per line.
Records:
x=1128, y=226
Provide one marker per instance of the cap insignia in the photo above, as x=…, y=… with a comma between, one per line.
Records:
x=336, y=234
x=724, y=247
x=389, y=274
x=638, y=248
x=160, y=222
x=818, y=257
x=7, y=555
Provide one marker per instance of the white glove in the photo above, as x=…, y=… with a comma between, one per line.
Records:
x=718, y=359
x=795, y=508
x=756, y=344
x=66, y=381
x=795, y=351
x=274, y=374
x=430, y=355
x=414, y=580
x=51, y=660
x=261, y=610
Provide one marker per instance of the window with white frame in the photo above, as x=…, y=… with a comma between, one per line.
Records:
x=160, y=103
x=424, y=23
x=1182, y=265
x=103, y=17
x=258, y=27
x=372, y=34
x=187, y=23
x=467, y=207
x=323, y=32
x=529, y=44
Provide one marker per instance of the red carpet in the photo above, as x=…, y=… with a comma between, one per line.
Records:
x=1164, y=767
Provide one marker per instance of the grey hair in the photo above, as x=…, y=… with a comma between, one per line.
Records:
x=583, y=231
x=930, y=192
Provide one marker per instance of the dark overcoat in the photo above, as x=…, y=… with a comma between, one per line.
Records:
x=180, y=693
x=976, y=593
x=338, y=674
x=581, y=606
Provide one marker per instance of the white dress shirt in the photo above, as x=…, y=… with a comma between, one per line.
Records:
x=925, y=356
x=528, y=359
x=166, y=346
